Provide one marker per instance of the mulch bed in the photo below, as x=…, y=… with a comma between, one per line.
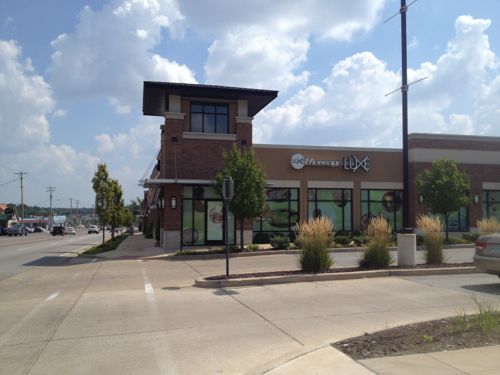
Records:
x=437, y=335
x=335, y=270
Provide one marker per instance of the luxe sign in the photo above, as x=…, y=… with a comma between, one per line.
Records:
x=349, y=163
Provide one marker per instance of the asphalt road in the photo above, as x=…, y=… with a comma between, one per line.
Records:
x=19, y=254
x=89, y=316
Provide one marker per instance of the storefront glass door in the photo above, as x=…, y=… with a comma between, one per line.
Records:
x=215, y=221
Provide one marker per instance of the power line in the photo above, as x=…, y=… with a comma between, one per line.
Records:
x=10, y=182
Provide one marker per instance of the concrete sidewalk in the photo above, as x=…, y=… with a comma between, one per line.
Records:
x=325, y=359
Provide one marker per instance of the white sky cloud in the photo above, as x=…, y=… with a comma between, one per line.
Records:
x=352, y=99
x=26, y=101
x=110, y=52
x=277, y=38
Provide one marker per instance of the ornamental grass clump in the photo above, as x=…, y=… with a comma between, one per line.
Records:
x=315, y=237
x=378, y=235
x=432, y=231
x=488, y=225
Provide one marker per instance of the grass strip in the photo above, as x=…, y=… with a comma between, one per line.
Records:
x=109, y=245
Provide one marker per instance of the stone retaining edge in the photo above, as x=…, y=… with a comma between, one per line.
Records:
x=286, y=279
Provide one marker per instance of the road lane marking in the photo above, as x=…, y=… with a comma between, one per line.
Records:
x=53, y=295
x=148, y=288
x=93, y=260
x=25, y=248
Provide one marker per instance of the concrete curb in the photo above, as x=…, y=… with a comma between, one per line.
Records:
x=286, y=279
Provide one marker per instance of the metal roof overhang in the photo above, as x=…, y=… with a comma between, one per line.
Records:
x=155, y=96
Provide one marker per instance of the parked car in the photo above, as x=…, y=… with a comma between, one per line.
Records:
x=40, y=229
x=69, y=230
x=487, y=256
x=3, y=231
x=58, y=230
x=17, y=230
x=30, y=229
x=93, y=229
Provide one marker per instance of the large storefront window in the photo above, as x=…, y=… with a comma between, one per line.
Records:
x=336, y=204
x=458, y=221
x=281, y=212
x=385, y=203
x=203, y=217
x=491, y=203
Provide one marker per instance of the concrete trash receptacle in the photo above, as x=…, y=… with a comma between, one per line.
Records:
x=407, y=247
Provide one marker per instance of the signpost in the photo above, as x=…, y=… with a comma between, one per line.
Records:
x=227, y=195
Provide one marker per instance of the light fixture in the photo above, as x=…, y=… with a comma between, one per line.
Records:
x=420, y=198
x=476, y=199
x=173, y=202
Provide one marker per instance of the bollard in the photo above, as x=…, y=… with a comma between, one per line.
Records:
x=407, y=247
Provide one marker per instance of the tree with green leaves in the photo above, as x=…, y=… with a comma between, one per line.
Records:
x=103, y=196
x=117, y=207
x=249, y=184
x=443, y=188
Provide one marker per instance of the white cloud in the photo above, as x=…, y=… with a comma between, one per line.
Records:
x=331, y=19
x=26, y=101
x=352, y=108
x=265, y=44
x=256, y=58
x=110, y=52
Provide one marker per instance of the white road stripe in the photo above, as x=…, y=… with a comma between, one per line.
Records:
x=63, y=255
x=52, y=296
x=148, y=288
x=93, y=260
x=25, y=248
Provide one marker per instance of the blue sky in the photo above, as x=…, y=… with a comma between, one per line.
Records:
x=71, y=76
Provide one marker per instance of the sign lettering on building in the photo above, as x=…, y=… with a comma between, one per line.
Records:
x=349, y=163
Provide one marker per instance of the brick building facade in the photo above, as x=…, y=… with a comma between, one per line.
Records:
x=349, y=185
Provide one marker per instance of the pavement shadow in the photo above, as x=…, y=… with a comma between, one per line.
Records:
x=225, y=292
x=171, y=288
x=484, y=288
x=57, y=261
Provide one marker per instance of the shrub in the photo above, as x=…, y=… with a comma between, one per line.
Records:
x=341, y=233
x=342, y=240
x=432, y=228
x=253, y=247
x=359, y=240
x=470, y=237
x=261, y=238
x=280, y=242
x=488, y=225
x=378, y=235
x=315, y=236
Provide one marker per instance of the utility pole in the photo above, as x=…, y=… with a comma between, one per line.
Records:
x=404, y=91
x=70, y=209
x=77, y=213
x=22, y=193
x=50, y=190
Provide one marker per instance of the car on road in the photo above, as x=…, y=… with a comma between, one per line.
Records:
x=487, y=256
x=93, y=229
x=69, y=230
x=17, y=230
x=58, y=230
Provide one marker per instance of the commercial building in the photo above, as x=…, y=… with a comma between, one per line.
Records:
x=347, y=184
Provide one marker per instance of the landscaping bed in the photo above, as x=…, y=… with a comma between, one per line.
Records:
x=336, y=270
x=109, y=245
x=460, y=332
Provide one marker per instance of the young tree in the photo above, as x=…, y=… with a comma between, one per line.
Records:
x=116, y=208
x=444, y=188
x=249, y=184
x=101, y=185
